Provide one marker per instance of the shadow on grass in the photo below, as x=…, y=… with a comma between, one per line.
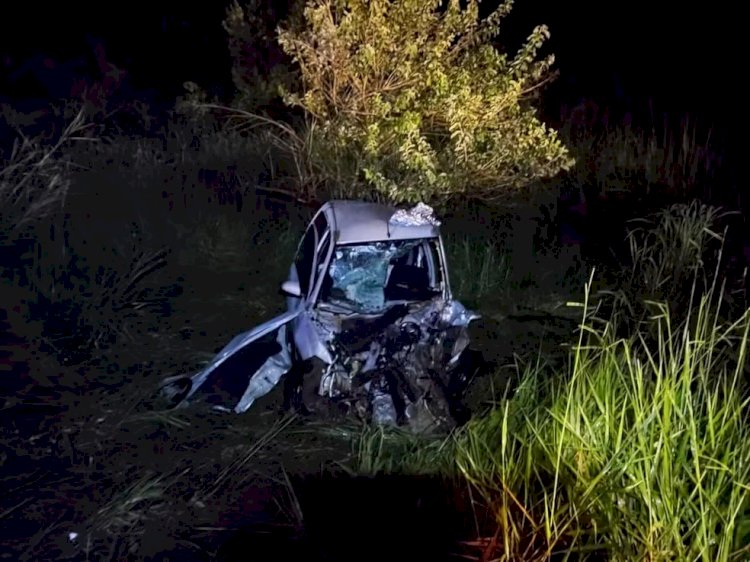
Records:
x=395, y=517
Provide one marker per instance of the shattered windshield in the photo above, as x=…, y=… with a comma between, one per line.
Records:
x=365, y=277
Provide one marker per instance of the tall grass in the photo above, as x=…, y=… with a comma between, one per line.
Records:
x=34, y=179
x=231, y=242
x=672, y=247
x=673, y=254
x=478, y=267
x=618, y=155
x=380, y=450
x=640, y=451
x=295, y=160
x=85, y=289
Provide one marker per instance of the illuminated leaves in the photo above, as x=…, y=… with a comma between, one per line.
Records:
x=411, y=101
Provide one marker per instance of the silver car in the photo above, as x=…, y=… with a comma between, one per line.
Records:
x=371, y=328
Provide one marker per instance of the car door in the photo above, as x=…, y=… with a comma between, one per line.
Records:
x=300, y=271
x=306, y=336
x=254, y=361
x=247, y=367
x=324, y=251
x=310, y=261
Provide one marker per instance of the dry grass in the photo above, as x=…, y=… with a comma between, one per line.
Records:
x=34, y=179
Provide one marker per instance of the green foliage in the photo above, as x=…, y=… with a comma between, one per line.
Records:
x=479, y=268
x=640, y=451
x=669, y=249
x=643, y=450
x=381, y=450
x=408, y=100
x=674, y=254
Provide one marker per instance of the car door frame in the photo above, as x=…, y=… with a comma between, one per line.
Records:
x=307, y=340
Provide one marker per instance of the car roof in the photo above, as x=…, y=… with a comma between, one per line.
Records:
x=356, y=222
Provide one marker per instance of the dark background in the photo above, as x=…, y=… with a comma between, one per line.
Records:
x=683, y=59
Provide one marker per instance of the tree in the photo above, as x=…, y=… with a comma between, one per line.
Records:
x=408, y=100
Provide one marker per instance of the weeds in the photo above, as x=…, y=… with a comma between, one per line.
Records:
x=478, y=268
x=383, y=451
x=641, y=452
x=34, y=179
x=92, y=308
x=230, y=243
x=130, y=506
x=293, y=153
x=621, y=157
x=237, y=467
x=671, y=248
x=674, y=254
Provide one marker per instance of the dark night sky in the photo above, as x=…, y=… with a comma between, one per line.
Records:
x=685, y=58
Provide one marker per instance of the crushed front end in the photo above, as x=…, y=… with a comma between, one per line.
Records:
x=402, y=367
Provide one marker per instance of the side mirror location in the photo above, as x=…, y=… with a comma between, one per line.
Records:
x=291, y=289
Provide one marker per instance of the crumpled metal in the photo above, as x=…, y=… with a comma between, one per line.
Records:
x=383, y=409
x=423, y=360
x=424, y=366
x=267, y=376
x=239, y=342
x=419, y=215
x=456, y=314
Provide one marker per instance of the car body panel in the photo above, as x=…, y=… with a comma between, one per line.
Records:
x=240, y=343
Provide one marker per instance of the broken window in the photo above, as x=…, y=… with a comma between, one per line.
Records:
x=365, y=277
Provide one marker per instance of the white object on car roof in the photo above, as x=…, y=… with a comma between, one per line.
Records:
x=356, y=222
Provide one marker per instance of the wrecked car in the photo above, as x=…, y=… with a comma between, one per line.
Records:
x=371, y=328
